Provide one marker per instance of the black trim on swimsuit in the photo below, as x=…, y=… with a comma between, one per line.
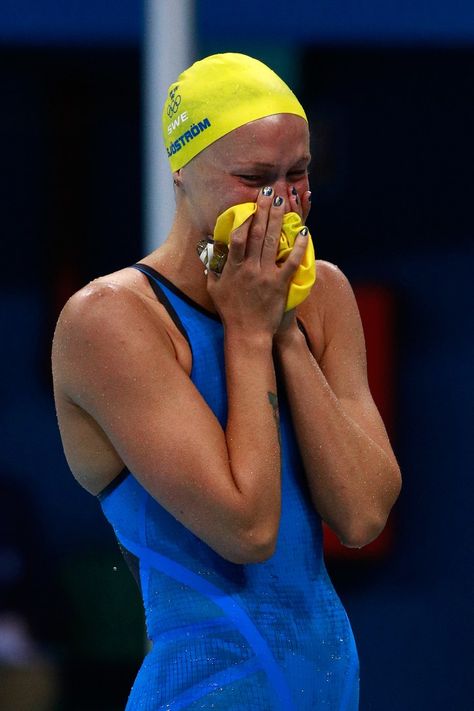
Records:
x=133, y=564
x=150, y=272
x=304, y=332
x=113, y=484
x=161, y=296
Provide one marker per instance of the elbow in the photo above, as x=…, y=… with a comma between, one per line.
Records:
x=261, y=550
x=365, y=529
x=254, y=545
x=362, y=532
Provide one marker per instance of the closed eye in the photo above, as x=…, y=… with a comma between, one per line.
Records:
x=298, y=174
x=251, y=178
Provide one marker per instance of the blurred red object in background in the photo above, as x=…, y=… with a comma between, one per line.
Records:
x=377, y=306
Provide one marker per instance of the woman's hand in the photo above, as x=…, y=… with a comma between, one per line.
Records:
x=301, y=204
x=252, y=290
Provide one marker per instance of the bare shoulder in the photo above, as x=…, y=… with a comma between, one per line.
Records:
x=112, y=344
x=87, y=306
x=332, y=286
x=111, y=294
x=110, y=313
x=330, y=307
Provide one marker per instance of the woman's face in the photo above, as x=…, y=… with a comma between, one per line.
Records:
x=270, y=151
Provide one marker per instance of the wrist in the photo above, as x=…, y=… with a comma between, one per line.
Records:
x=289, y=338
x=249, y=339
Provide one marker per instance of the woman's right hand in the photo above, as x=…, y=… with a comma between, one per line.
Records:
x=251, y=291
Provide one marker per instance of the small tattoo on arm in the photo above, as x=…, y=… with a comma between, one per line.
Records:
x=273, y=400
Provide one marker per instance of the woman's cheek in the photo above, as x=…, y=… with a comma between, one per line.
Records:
x=239, y=194
x=303, y=185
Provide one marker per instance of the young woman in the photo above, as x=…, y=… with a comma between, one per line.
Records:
x=220, y=411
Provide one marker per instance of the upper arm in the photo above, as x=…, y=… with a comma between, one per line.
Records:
x=343, y=360
x=113, y=360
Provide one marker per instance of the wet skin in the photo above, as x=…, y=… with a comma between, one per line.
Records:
x=121, y=367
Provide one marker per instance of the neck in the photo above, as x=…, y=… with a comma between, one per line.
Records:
x=177, y=260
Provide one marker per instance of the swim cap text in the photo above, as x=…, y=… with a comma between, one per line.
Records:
x=194, y=130
x=180, y=119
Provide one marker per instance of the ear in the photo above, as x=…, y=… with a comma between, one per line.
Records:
x=177, y=180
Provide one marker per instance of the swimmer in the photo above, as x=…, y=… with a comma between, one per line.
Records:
x=216, y=402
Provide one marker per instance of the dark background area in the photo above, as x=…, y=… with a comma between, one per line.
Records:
x=392, y=200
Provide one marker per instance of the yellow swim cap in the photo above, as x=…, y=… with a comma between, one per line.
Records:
x=215, y=96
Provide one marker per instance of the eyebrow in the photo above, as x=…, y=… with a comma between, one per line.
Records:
x=306, y=159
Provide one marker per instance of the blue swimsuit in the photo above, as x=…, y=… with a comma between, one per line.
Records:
x=269, y=636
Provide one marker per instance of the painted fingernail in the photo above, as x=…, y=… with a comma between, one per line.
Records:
x=309, y=195
x=304, y=231
x=267, y=191
x=294, y=191
x=277, y=201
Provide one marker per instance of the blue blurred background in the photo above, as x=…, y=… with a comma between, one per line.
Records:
x=388, y=87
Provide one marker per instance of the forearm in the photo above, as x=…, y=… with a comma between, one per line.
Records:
x=252, y=431
x=352, y=479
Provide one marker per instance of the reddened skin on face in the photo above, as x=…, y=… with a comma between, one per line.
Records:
x=271, y=151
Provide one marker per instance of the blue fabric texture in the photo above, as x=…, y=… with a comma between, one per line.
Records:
x=258, y=637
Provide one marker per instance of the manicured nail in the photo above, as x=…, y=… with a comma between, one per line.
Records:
x=277, y=201
x=304, y=231
x=267, y=191
x=294, y=191
x=309, y=195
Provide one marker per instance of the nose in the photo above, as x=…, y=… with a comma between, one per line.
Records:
x=280, y=187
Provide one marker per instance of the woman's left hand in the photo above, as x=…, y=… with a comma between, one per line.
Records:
x=301, y=204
